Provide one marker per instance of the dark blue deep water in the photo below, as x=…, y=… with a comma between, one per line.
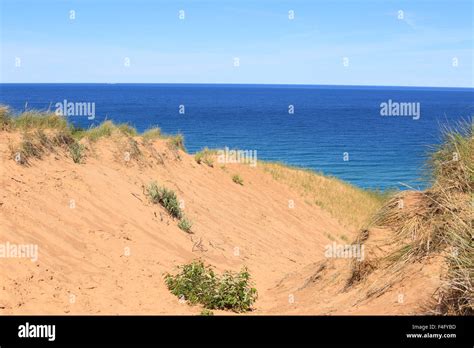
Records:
x=328, y=121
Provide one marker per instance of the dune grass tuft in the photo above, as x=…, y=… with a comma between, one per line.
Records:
x=77, y=152
x=440, y=220
x=127, y=129
x=205, y=156
x=167, y=198
x=176, y=142
x=103, y=130
x=151, y=134
x=38, y=120
x=237, y=179
x=30, y=149
x=185, y=224
x=5, y=117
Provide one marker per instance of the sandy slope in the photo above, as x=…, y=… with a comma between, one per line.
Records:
x=83, y=266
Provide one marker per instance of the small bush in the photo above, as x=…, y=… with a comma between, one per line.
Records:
x=205, y=156
x=77, y=152
x=185, y=225
x=167, y=198
x=199, y=284
x=237, y=179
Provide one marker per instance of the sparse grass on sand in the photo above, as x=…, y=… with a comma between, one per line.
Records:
x=5, y=118
x=351, y=206
x=32, y=120
x=151, y=134
x=33, y=125
x=176, y=142
x=237, y=179
x=103, y=130
x=205, y=156
x=77, y=152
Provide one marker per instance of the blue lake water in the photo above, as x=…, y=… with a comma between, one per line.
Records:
x=328, y=121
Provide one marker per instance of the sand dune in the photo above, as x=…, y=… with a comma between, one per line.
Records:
x=104, y=247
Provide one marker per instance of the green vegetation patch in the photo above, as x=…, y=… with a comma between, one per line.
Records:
x=205, y=156
x=237, y=179
x=185, y=224
x=199, y=284
x=167, y=198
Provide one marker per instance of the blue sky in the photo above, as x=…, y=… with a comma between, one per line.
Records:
x=381, y=49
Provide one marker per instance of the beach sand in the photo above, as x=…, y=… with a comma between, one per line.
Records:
x=104, y=247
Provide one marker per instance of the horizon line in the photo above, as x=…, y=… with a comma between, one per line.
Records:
x=224, y=83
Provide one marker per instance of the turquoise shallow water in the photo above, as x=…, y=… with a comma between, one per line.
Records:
x=329, y=124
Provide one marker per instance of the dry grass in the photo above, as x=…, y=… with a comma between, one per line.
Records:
x=5, y=118
x=439, y=220
x=351, y=206
x=61, y=134
x=151, y=134
x=34, y=120
x=176, y=142
x=238, y=179
x=37, y=143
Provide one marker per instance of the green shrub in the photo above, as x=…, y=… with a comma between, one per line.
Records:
x=198, y=283
x=167, y=198
x=237, y=179
x=185, y=224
